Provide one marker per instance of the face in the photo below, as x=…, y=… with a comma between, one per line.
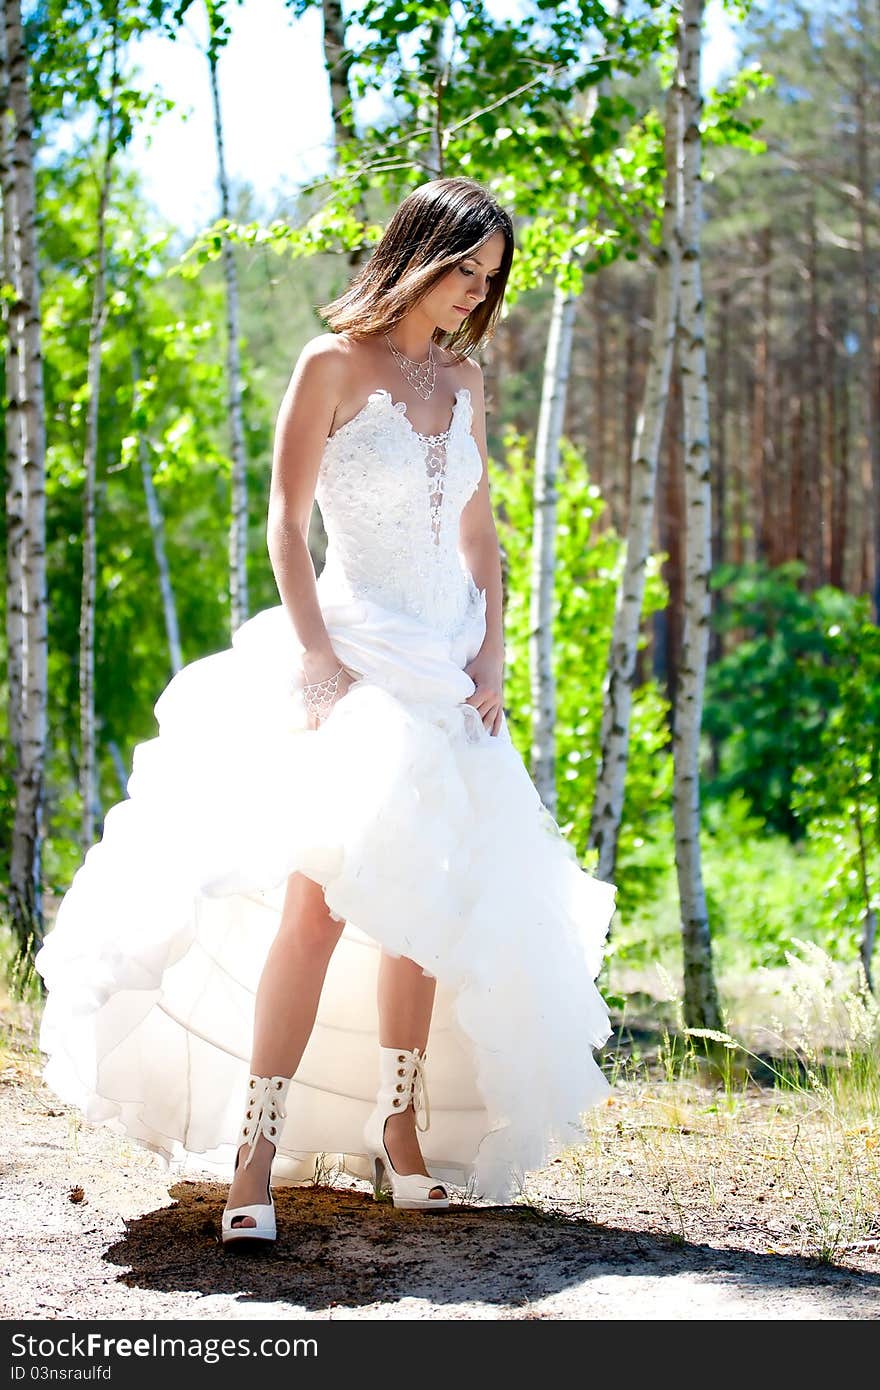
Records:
x=464, y=287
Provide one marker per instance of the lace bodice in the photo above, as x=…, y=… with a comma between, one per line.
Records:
x=391, y=499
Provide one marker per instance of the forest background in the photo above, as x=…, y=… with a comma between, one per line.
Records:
x=166, y=349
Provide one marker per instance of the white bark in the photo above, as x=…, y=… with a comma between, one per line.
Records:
x=26, y=492
x=700, y=996
x=620, y=678
x=557, y=364
x=238, y=531
x=542, y=585
x=157, y=533
x=337, y=61
x=88, y=787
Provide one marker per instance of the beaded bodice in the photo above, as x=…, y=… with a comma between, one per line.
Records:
x=391, y=500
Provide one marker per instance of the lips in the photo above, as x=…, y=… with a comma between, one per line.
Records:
x=459, y=309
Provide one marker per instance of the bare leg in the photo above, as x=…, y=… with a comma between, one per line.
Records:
x=406, y=1000
x=287, y=1003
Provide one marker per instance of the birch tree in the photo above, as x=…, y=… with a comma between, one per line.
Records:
x=238, y=528
x=701, y=1005
x=90, y=807
x=26, y=607
x=557, y=365
x=156, y=523
x=623, y=652
x=551, y=423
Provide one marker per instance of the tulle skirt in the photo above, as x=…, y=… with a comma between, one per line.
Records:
x=429, y=840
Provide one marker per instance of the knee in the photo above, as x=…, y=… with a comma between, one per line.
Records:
x=307, y=920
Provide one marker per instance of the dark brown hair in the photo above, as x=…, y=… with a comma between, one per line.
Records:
x=437, y=226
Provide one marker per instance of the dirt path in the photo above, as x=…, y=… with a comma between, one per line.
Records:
x=93, y=1230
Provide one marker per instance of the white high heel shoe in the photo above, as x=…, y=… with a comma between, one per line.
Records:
x=267, y=1096
x=402, y=1082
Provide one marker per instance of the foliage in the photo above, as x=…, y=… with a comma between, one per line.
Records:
x=768, y=698
x=163, y=402
x=588, y=566
x=762, y=890
x=556, y=133
x=836, y=793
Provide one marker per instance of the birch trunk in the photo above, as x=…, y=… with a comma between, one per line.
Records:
x=557, y=364
x=617, y=694
x=26, y=491
x=431, y=113
x=87, y=759
x=238, y=529
x=338, y=59
x=701, y=1006
x=157, y=533
x=542, y=582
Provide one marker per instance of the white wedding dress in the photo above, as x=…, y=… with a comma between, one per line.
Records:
x=424, y=830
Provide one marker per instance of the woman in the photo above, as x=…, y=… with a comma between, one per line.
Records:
x=333, y=813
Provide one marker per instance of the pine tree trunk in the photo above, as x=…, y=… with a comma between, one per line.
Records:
x=617, y=694
x=238, y=530
x=26, y=616
x=868, y=307
x=837, y=416
x=802, y=520
x=741, y=468
x=760, y=479
x=701, y=1004
x=598, y=458
x=816, y=474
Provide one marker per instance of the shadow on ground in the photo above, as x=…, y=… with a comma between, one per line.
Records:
x=341, y=1248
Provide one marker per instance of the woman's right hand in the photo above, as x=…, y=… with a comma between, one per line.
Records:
x=321, y=667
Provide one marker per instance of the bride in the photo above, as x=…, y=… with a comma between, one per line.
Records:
x=334, y=811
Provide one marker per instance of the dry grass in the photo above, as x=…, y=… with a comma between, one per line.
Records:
x=754, y=1168
x=765, y=1137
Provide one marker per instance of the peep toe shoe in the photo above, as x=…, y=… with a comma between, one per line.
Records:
x=264, y=1112
x=402, y=1083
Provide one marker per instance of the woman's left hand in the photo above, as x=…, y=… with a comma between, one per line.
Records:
x=487, y=673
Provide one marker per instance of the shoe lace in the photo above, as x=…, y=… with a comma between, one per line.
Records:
x=420, y=1099
x=266, y=1096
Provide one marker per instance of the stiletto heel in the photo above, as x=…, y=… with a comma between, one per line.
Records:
x=264, y=1111
x=402, y=1082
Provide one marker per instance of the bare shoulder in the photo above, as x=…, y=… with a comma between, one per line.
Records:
x=323, y=359
x=467, y=372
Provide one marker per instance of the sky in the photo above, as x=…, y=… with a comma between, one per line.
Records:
x=275, y=107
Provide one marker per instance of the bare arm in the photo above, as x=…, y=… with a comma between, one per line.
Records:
x=301, y=430
x=478, y=537
x=478, y=541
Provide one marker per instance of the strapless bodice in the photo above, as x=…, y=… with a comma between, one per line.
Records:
x=391, y=500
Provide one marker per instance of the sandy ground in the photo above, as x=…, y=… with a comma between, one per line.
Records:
x=93, y=1229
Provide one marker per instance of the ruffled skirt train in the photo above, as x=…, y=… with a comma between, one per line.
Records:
x=429, y=840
